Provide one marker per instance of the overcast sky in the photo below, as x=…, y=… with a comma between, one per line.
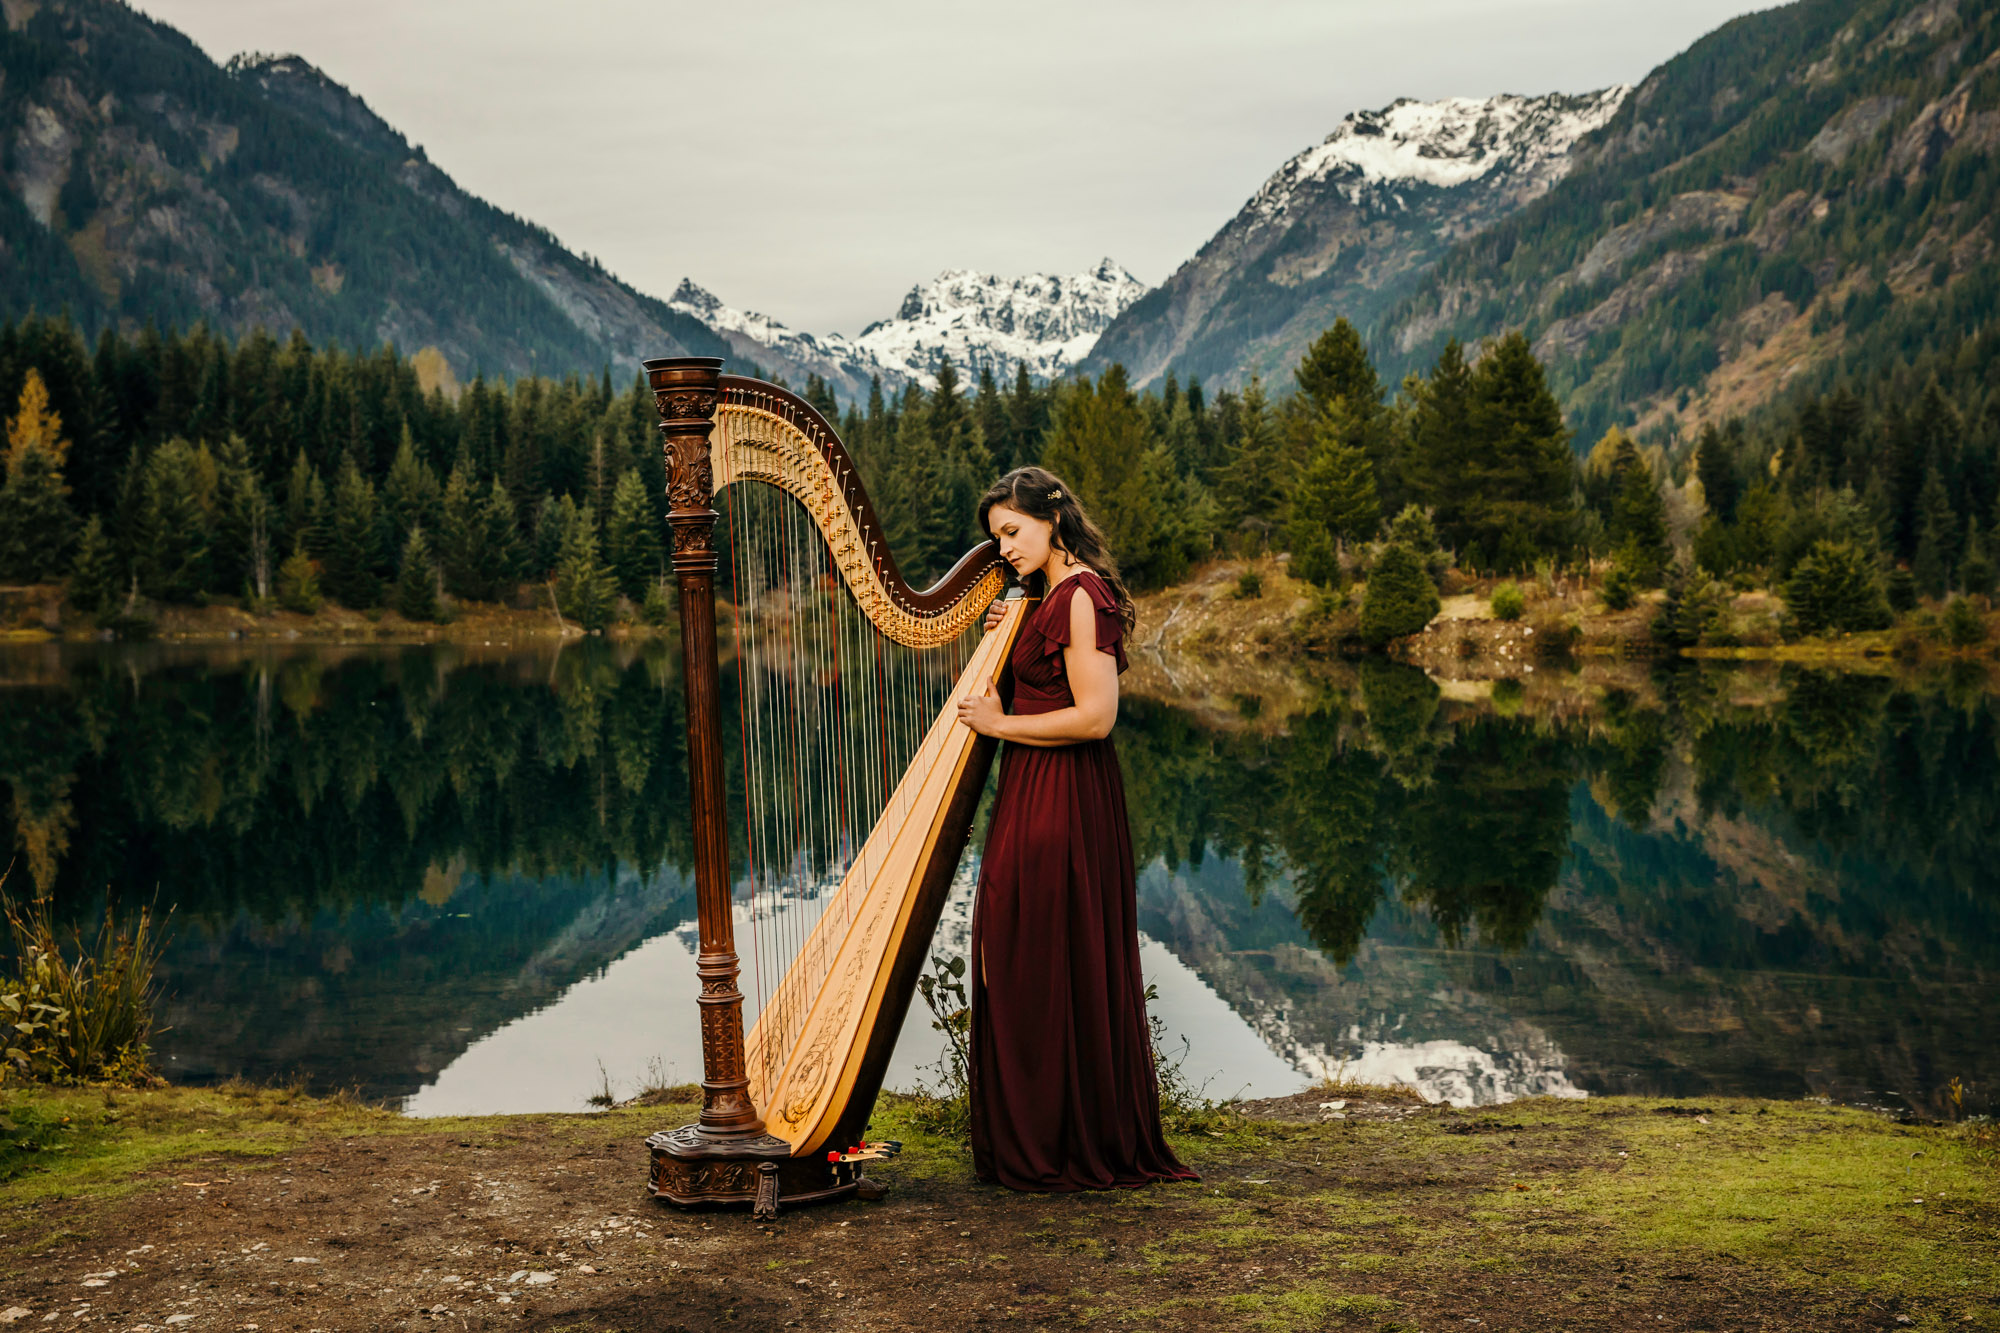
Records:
x=851, y=148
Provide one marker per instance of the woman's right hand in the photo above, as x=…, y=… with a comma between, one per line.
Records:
x=993, y=615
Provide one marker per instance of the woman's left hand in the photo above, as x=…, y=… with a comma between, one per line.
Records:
x=982, y=712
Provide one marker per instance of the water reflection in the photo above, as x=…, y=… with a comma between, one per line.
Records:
x=451, y=875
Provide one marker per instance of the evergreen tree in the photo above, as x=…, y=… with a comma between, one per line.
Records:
x=1976, y=574
x=241, y=560
x=1936, y=529
x=1099, y=442
x=1441, y=442
x=1963, y=626
x=1414, y=528
x=1254, y=481
x=499, y=558
x=36, y=523
x=1638, y=523
x=411, y=497
x=550, y=524
x=1834, y=589
x=1336, y=379
x=1335, y=502
x=306, y=509
x=1400, y=598
x=1715, y=466
x=173, y=525
x=298, y=582
x=354, y=544
x=1695, y=606
x=417, y=579
x=584, y=585
x=1519, y=472
x=637, y=555
x=96, y=581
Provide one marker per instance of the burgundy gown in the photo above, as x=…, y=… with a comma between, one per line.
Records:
x=1063, y=1091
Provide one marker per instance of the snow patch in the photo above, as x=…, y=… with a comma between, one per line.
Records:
x=1443, y=144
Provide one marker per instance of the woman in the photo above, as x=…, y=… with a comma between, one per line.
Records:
x=1063, y=1090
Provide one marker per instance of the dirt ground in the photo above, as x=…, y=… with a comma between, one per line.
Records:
x=205, y=1211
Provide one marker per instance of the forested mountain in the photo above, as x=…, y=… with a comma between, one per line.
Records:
x=1805, y=195
x=144, y=183
x=1345, y=229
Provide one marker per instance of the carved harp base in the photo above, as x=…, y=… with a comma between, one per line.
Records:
x=695, y=1171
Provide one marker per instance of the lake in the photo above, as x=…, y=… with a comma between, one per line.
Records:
x=458, y=878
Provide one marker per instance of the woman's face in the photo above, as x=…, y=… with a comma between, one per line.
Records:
x=1025, y=543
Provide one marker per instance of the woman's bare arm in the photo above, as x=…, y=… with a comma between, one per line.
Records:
x=1093, y=683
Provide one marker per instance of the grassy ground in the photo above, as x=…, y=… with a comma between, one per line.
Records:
x=259, y=1208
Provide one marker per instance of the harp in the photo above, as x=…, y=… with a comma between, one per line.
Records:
x=854, y=790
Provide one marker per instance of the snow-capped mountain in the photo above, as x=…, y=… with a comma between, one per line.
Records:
x=1347, y=226
x=1043, y=321
x=1046, y=322
x=776, y=349
x=1375, y=156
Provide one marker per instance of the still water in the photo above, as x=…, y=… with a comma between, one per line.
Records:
x=458, y=878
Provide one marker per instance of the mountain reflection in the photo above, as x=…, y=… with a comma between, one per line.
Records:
x=1694, y=881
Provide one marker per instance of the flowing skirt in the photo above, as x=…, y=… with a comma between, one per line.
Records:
x=1064, y=1095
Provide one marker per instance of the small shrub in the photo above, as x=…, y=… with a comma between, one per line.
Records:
x=79, y=1017
x=1249, y=585
x=298, y=583
x=1963, y=626
x=1509, y=602
x=1184, y=1108
x=947, y=1107
x=1620, y=589
x=1555, y=636
x=1401, y=599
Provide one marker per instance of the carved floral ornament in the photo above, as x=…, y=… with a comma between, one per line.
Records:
x=685, y=404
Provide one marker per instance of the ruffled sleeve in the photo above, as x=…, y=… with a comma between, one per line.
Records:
x=1055, y=617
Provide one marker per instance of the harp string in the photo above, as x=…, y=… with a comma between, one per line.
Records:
x=831, y=713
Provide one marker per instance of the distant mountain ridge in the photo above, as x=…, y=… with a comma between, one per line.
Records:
x=1347, y=227
x=1805, y=194
x=1046, y=322
x=148, y=184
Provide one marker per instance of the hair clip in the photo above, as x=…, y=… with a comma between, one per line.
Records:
x=1056, y=494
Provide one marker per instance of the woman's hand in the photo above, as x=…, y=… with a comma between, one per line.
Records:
x=982, y=712
x=993, y=615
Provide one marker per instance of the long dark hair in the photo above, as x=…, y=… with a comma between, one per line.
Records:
x=1040, y=493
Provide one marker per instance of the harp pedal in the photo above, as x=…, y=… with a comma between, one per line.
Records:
x=867, y=1152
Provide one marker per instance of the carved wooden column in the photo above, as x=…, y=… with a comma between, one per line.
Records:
x=684, y=389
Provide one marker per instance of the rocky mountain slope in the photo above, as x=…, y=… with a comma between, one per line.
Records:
x=1347, y=227
x=1806, y=193
x=142, y=182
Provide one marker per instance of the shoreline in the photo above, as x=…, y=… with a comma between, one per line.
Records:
x=219, y=1208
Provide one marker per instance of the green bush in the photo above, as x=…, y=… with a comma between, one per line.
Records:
x=1696, y=605
x=80, y=1017
x=1834, y=589
x=1963, y=626
x=1620, y=588
x=1250, y=585
x=1508, y=602
x=298, y=582
x=1401, y=598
